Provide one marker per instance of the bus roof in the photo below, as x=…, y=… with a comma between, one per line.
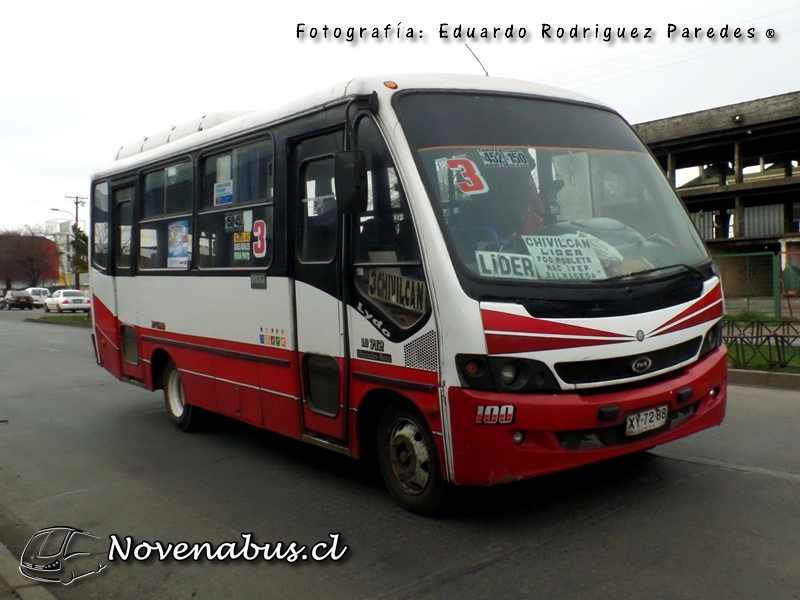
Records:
x=221, y=125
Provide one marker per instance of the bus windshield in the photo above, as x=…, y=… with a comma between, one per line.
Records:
x=532, y=190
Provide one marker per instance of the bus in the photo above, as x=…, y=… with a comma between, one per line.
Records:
x=471, y=280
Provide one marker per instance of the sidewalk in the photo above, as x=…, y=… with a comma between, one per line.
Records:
x=14, y=585
x=767, y=379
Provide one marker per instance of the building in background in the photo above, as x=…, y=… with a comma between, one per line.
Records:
x=60, y=232
x=737, y=170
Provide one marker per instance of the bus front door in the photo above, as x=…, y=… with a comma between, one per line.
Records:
x=320, y=318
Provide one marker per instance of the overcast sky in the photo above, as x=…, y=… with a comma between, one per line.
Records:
x=80, y=79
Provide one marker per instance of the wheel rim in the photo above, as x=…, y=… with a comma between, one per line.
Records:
x=409, y=457
x=175, y=394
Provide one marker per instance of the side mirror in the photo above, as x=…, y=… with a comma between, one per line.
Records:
x=351, y=182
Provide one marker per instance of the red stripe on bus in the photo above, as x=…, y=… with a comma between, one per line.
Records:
x=712, y=313
x=714, y=295
x=500, y=321
x=511, y=344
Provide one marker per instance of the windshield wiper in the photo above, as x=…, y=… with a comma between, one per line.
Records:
x=655, y=270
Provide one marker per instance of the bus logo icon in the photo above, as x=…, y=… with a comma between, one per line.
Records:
x=641, y=365
x=60, y=555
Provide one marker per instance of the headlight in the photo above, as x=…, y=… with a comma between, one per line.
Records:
x=505, y=374
x=713, y=339
x=508, y=373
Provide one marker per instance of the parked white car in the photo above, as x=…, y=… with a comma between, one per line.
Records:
x=38, y=295
x=67, y=300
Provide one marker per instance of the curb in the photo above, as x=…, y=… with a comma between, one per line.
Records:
x=25, y=588
x=768, y=379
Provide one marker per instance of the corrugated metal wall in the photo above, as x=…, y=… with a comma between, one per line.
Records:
x=763, y=220
x=704, y=223
x=759, y=221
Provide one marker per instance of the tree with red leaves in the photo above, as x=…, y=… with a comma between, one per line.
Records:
x=26, y=257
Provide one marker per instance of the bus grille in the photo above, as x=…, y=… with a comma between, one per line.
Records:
x=615, y=369
x=423, y=352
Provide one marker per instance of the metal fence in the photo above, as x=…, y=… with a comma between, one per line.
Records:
x=763, y=344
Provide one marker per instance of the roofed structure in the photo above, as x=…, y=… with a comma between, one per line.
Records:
x=747, y=184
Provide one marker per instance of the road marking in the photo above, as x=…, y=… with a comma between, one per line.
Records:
x=7, y=343
x=726, y=465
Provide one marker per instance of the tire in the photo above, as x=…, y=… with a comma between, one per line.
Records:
x=184, y=416
x=46, y=308
x=409, y=460
x=59, y=309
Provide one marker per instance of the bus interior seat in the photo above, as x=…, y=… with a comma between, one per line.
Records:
x=377, y=235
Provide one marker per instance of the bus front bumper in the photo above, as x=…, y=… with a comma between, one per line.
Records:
x=553, y=432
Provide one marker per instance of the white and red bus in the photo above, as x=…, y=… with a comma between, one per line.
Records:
x=481, y=280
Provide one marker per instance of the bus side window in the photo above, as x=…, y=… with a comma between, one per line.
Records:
x=234, y=223
x=165, y=232
x=123, y=201
x=317, y=243
x=386, y=252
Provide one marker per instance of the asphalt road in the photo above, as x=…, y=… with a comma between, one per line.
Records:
x=715, y=516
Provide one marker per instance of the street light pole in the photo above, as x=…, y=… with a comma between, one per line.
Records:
x=78, y=201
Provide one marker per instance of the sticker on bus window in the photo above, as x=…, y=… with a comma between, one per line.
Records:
x=470, y=181
x=234, y=221
x=513, y=266
x=241, y=245
x=178, y=249
x=223, y=193
x=260, y=241
x=496, y=157
x=390, y=287
x=570, y=256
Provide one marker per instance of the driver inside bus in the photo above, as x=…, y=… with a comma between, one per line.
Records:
x=512, y=204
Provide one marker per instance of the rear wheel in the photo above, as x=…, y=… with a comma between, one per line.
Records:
x=409, y=461
x=58, y=308
x=184, y=416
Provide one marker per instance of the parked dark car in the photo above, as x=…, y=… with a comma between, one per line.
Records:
x=16, y=299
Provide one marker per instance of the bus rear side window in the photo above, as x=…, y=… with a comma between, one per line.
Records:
x=165, y=235
x=124, y=203
x=100, y=225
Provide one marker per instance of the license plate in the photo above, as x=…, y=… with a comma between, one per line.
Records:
x=652, y=418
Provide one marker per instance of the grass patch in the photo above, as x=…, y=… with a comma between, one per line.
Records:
x=71, y=320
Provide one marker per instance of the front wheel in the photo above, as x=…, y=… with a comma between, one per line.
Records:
x=184, y=416
x=409, y=461
x=46, y=308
